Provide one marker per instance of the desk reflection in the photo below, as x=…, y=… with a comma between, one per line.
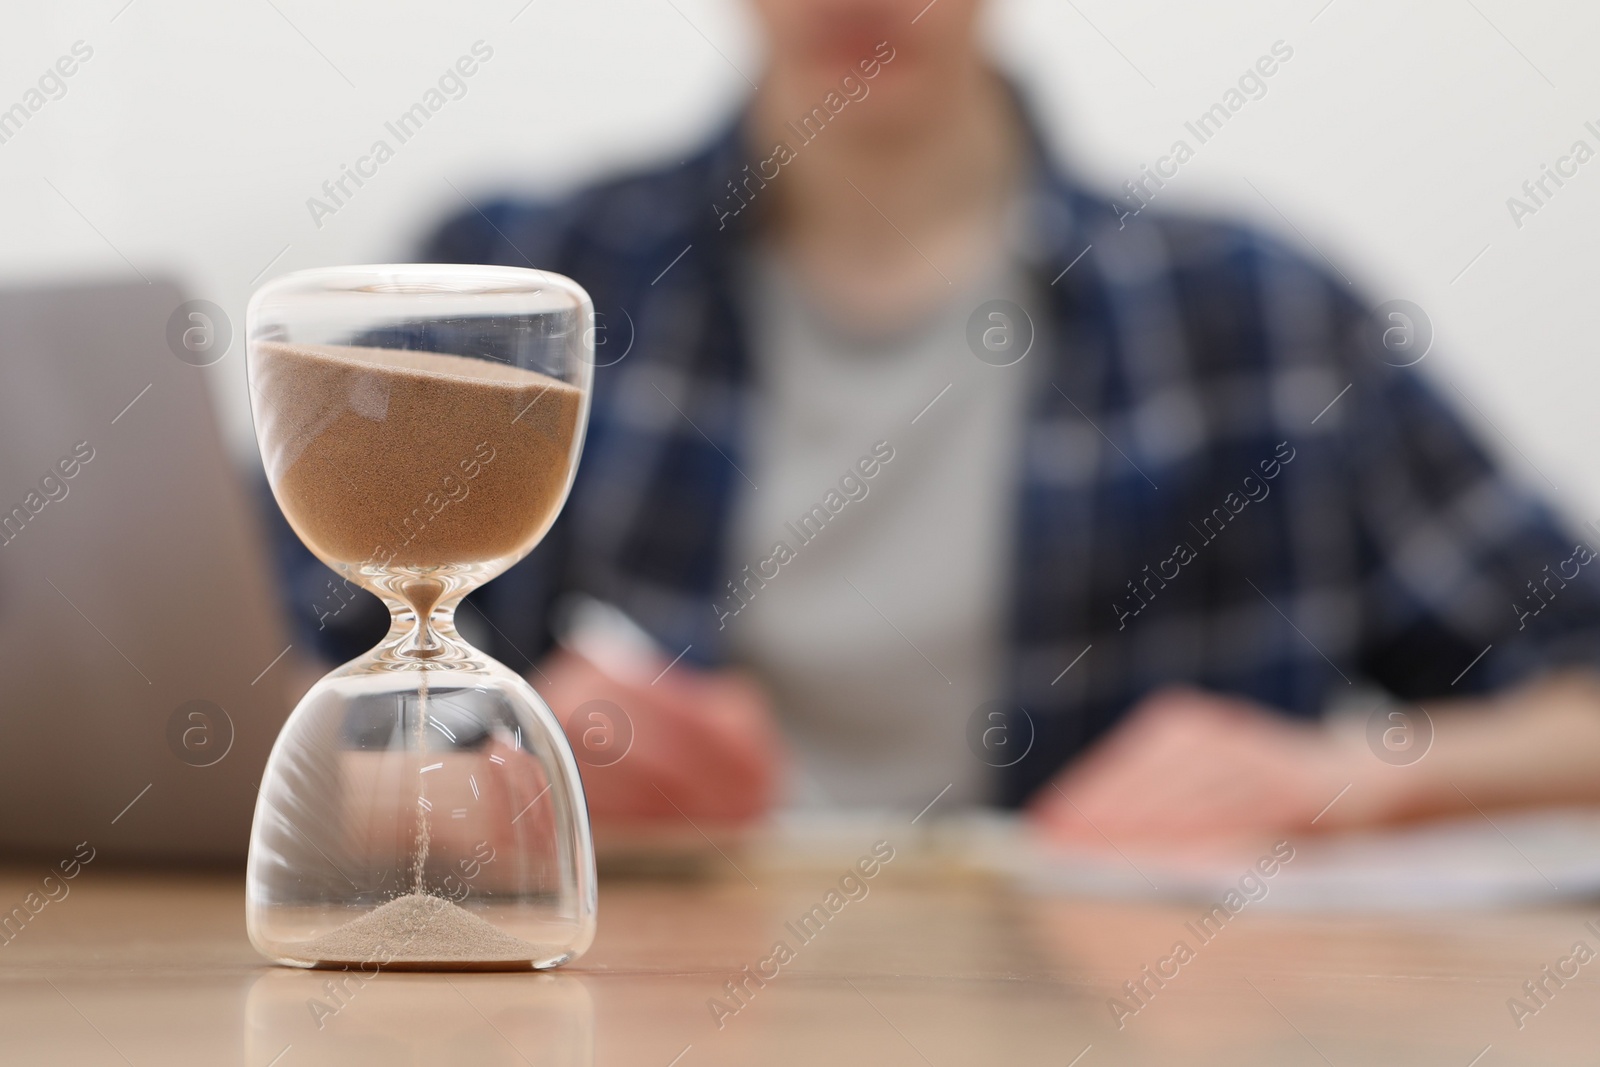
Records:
x=347, y=1017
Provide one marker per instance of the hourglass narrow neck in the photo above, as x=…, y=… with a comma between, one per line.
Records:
x=422, y=627
x=424, y=637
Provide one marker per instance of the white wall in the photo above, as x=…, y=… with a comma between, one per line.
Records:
x=193, y=137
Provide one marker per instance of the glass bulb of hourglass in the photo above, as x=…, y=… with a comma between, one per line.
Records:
x=420, y=428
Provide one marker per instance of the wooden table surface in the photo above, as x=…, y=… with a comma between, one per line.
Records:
x=147, y=968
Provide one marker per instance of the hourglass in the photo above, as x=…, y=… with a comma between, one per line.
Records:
x=421, y=809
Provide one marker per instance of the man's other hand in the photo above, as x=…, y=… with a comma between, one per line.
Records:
x=1188, y=765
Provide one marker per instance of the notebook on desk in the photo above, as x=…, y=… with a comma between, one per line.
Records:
x=1519, y=859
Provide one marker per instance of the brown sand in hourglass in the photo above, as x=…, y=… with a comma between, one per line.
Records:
x=418, y=928
x=405, y=459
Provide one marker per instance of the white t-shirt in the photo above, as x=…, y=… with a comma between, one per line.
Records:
x=881, y=631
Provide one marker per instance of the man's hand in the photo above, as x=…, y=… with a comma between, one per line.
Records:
x=703, y=744
x=1189, y=765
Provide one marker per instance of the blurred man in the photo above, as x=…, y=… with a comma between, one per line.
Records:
x=945, y=477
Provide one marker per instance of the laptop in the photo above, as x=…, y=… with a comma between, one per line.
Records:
x=147, y=661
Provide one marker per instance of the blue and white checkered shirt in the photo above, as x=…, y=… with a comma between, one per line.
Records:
x=1224, y=480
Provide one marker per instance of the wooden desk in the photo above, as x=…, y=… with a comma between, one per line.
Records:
x=155, y=969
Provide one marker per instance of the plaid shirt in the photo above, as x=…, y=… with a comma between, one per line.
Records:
x=1191, y=508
